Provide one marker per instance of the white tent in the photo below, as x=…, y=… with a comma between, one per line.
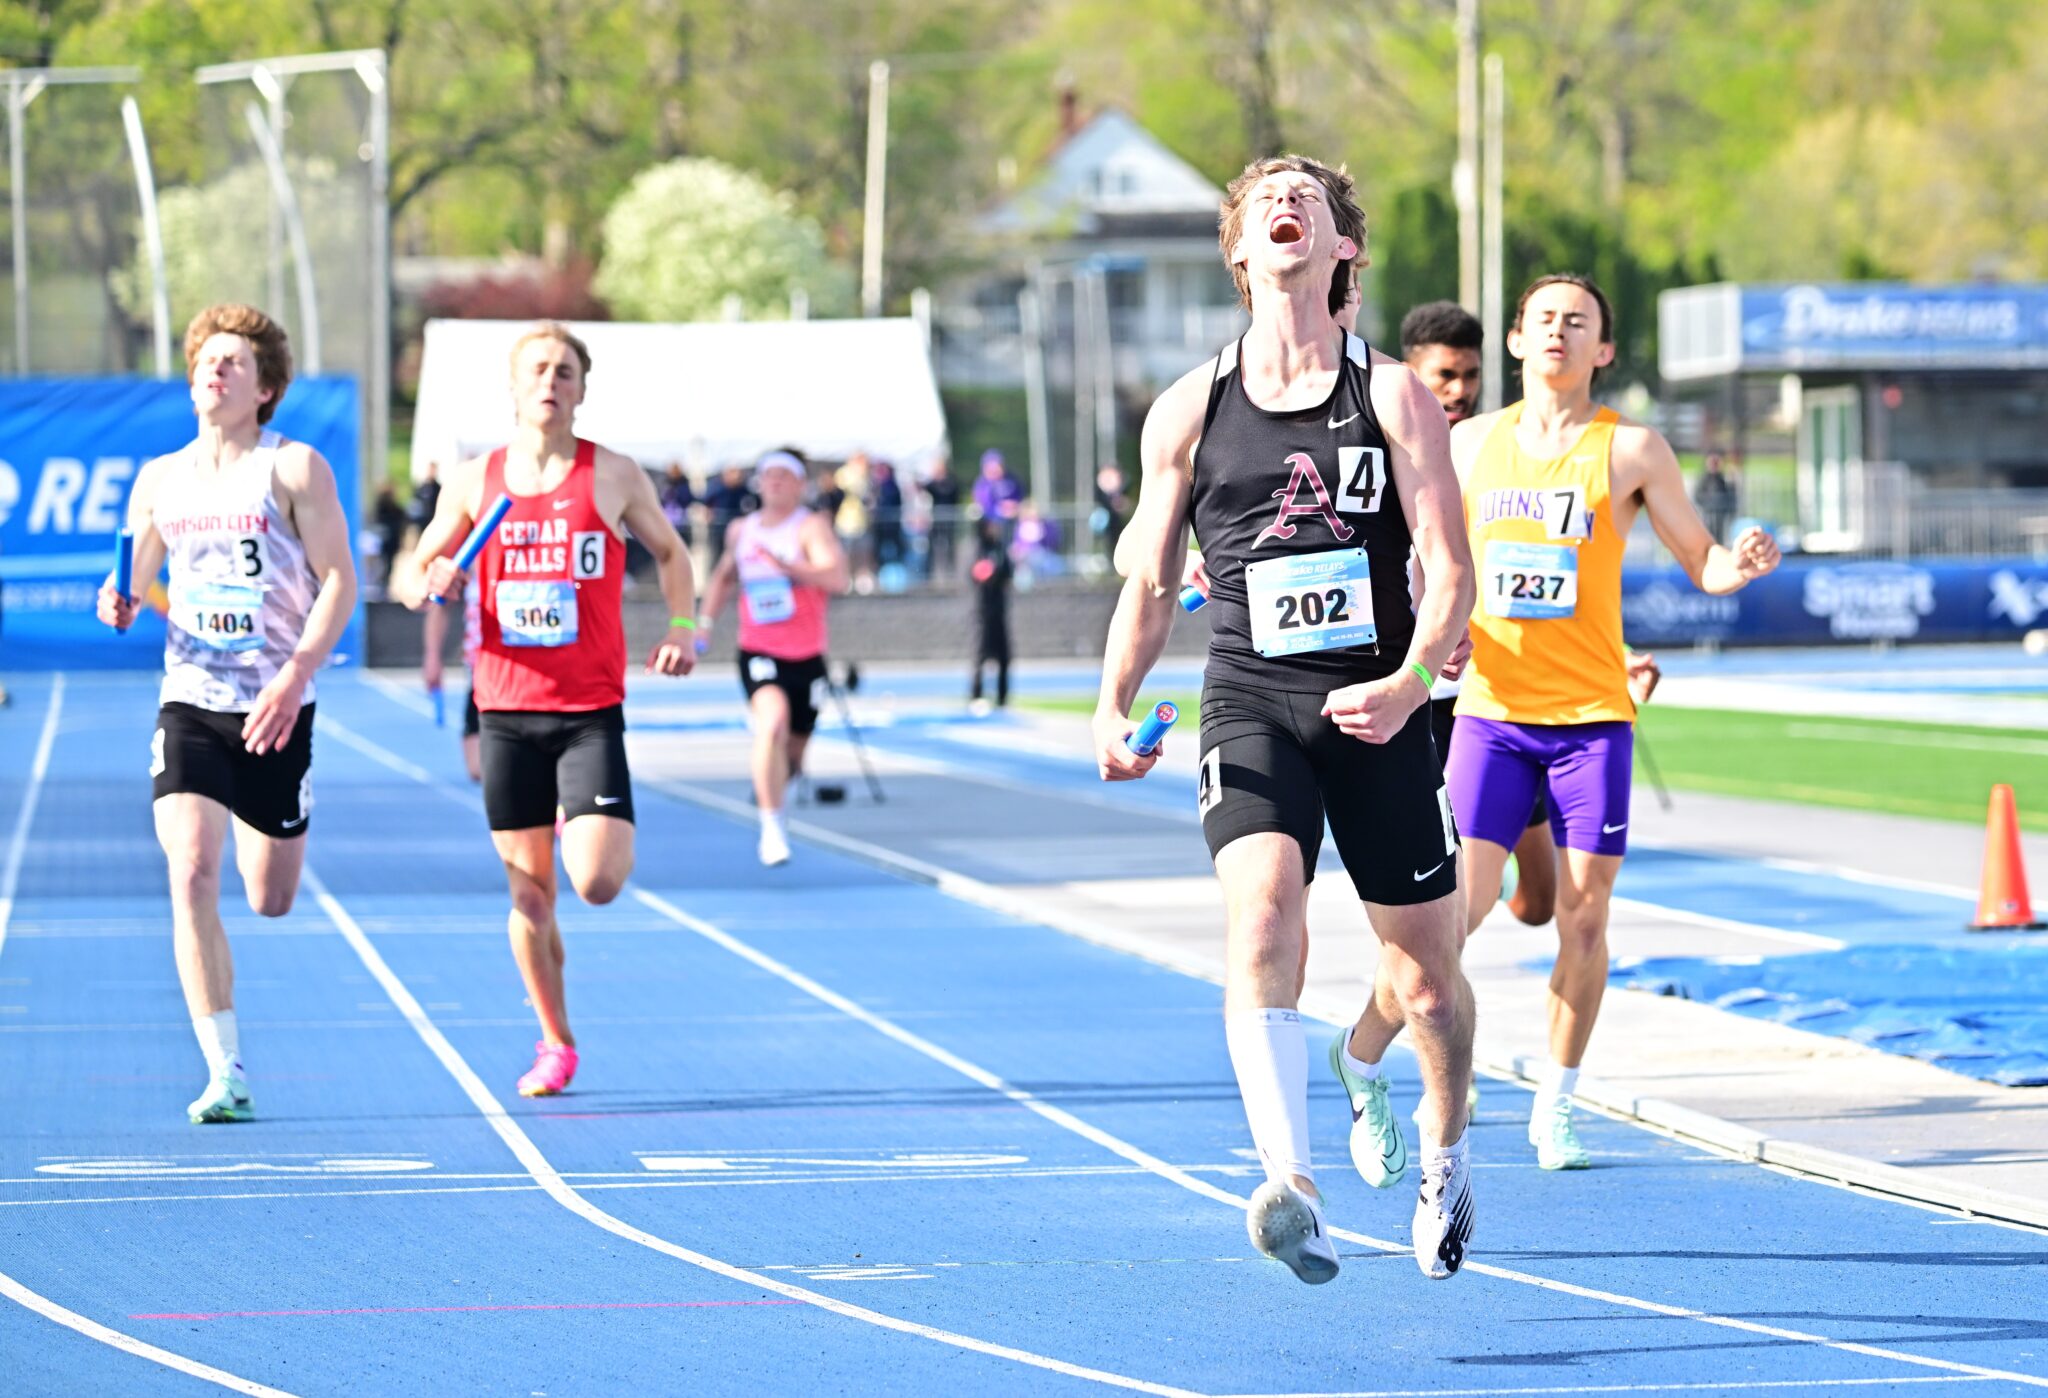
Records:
x=706, y=394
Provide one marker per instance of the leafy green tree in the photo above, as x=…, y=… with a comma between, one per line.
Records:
x=690, y=233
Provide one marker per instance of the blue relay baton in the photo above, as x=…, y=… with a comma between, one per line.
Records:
x=1162, y=717
x=440, y=706
x=124, y=567
x=481, y=535
x=1193, y=599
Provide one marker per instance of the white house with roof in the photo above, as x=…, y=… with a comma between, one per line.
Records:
x=1113, y=238
x=1113, y=205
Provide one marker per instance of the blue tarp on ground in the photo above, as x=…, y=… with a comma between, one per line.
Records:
x=1982, y=1012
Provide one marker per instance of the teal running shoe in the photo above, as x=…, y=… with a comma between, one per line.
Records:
x=1287, y=1226
x=226, y=1099
x=1557, y=1145
x=1376, y=1145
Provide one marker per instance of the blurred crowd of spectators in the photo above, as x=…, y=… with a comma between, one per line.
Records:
x=901, y=529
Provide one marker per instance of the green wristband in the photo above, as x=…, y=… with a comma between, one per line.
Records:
x=682, y=623
x=1422, y=674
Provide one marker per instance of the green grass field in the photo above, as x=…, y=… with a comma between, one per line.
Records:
x=1939, y=771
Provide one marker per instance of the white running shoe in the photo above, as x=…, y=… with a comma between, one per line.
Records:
x=1443, y=1214
x=226, y=1099
x=1550, y=1131
x=774, y=848
x=1377, y=1149
x=1286, y=1225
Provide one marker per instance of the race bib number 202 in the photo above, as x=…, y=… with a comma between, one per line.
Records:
x=1311, y=602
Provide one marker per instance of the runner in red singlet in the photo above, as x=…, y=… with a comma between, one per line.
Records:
x=550, y=677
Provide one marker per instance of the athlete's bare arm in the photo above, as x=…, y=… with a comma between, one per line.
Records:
x=624, y=486
x=719, y=585
x=114, y=609
x=307, y=494
x=1152, y=554
x=1420, y=463
x=1646, y=474
x=434, y=573
x=824, y=564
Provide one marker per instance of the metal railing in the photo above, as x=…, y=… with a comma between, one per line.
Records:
x=1897, y=521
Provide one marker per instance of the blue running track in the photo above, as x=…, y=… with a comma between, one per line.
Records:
x=834, y=1133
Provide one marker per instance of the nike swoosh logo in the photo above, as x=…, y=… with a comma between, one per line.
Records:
x=608, y=800
x=1611, y=829
x=290, y=823
x=563, y=504
x=1334, y=424
x=1431, y=870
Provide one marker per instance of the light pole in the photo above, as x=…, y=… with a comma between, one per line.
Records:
x=271, y=77
x=24, y=85
x=877, y=184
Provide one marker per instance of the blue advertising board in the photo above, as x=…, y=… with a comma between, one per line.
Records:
x=1878, y=325
x=1811, y=601
x=69, y=451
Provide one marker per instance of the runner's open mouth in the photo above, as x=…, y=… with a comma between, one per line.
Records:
x=1287, y=228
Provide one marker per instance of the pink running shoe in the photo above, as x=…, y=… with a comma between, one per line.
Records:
x=552, y=1069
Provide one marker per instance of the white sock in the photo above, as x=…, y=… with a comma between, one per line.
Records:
x=1270, y=1053
x=219, y=1041
x=1358, y=1067
x=1457, y=1150
x=776, y=821
x=1556, y=1082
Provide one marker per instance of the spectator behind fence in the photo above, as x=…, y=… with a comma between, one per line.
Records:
x=1112, y=508
x=996, y=492
x=426, y=495
x=390, y=519
x=728, y=498
x=854, y=521
x=991, y=572
x=1035, y=546
x=942, y=493
x=1714, y=496
x=886, y=514
x=677, y=497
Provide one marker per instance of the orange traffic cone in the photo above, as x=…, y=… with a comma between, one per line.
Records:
x=2003, y=905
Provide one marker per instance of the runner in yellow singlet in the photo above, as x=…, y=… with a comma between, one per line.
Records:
x=1551, y=488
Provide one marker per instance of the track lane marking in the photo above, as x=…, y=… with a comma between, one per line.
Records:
x=10, y=880
x=1154, y=1165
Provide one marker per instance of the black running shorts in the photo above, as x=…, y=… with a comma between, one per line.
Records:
x=801, y=680
x=535, y=761
x=201, y=753
x=1442, y=714
x=1272, y=762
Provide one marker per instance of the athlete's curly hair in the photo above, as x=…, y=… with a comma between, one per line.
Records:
x=1443, y=323
x=265, y=336
x=1343, y=205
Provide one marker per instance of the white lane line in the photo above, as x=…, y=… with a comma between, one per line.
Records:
x=1138, y=1156
x=1735, y=1386
x=1181, y=1177
x=935, y=763
x=1836, y=732
x=93, y=1330
x=562, y=1192
x=10, y=873
x=10, y=879
x=1809, y=941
